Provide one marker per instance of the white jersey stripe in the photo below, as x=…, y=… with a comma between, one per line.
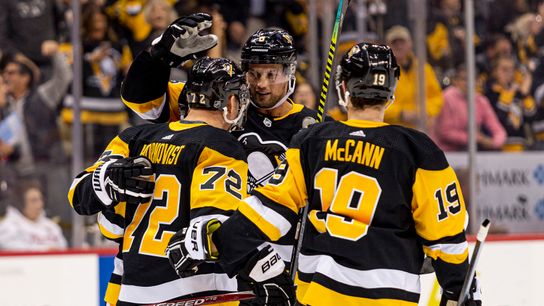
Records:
x=284, y=250
x=110, y=227
x=177, y=288
x=221, y=218
x=270, y=215
x=452, y=249
x=118, y=266
x=369, y=279
x=154, y=113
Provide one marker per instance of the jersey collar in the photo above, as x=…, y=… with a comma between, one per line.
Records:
x=184, y=125
x=364, y=123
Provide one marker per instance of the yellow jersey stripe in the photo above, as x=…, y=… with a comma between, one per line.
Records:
x=315, y=294
x=73, y=189
x=271, y=231
x=447, y=257
x=148, y=110
x=434, y=214
x=104, y=118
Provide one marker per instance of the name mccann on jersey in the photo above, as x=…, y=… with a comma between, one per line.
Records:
x=364, y=153
x=162, y=153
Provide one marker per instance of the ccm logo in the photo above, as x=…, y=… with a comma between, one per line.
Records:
x=271, y=262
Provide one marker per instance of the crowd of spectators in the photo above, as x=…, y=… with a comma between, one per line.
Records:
x=36, y=56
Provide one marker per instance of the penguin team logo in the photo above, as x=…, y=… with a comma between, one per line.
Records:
x=261, y=166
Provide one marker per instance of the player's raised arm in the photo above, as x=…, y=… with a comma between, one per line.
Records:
x=146, y=90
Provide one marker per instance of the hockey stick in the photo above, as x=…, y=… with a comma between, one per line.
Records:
x=480, y=238
x=209, y=300
x=340, y=12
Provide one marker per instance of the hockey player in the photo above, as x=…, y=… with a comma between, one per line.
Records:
x=380, y=197
x=269, y=61
x=155, y=179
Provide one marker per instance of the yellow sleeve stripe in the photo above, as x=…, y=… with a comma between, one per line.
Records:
x=108, y=234
x=291, y=191
x=147, y=110
x=108, y=229
x=447, y=257
x=121, y=208
x=434, y=215
x=112, y=293
x=272, y=232
x=73, y=189
x=116, y=147
x=174, y=90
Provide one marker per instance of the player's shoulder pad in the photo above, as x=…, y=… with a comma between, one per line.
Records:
x=222, y=142
x=312, y=130
x=135, y=131
x=422, y=149
x=302, y=111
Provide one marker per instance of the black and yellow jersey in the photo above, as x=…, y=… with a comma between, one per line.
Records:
x=148, y=92
x=381, y=197
x=515, y=112
x=200, y=172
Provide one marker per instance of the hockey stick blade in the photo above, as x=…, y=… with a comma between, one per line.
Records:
x=480, y=238
x=209, y=300
x=340, y=12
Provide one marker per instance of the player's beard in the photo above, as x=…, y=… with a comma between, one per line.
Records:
x=272, y=95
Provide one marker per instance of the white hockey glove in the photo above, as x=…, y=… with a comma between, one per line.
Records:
x=265, y=275
x=182, y=40
x=127, y=179
x=474, y=298
x=192, y=246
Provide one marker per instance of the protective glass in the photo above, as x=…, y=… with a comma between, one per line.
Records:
x=266, y=75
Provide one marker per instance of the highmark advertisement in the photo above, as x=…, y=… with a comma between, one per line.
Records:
x=510, y=189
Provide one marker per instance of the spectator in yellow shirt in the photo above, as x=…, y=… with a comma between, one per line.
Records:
x=404, y=110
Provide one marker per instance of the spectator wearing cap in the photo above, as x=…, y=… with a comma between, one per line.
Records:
x=451, y=129
x=25, y=226
x=40, y=151
x=404, y=110
x=36, y=107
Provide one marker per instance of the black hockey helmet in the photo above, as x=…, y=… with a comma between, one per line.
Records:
x=211, y=81
x=269, y=46
x=370, y=72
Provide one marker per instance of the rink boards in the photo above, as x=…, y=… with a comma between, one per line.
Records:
x=510, y=269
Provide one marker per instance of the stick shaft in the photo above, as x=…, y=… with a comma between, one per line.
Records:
x=467, y=284
x=341, y=11
x=209, y=300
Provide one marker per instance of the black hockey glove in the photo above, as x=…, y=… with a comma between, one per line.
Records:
x=192, y=246
x=265, y=275
x=127, y=179
x=474, y=298
x=182, y=40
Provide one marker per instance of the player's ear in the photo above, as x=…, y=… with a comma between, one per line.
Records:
x=232, y=107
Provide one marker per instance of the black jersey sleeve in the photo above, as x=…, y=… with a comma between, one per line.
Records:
x=81, y=195
x=440, y=215
x=147, y=91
